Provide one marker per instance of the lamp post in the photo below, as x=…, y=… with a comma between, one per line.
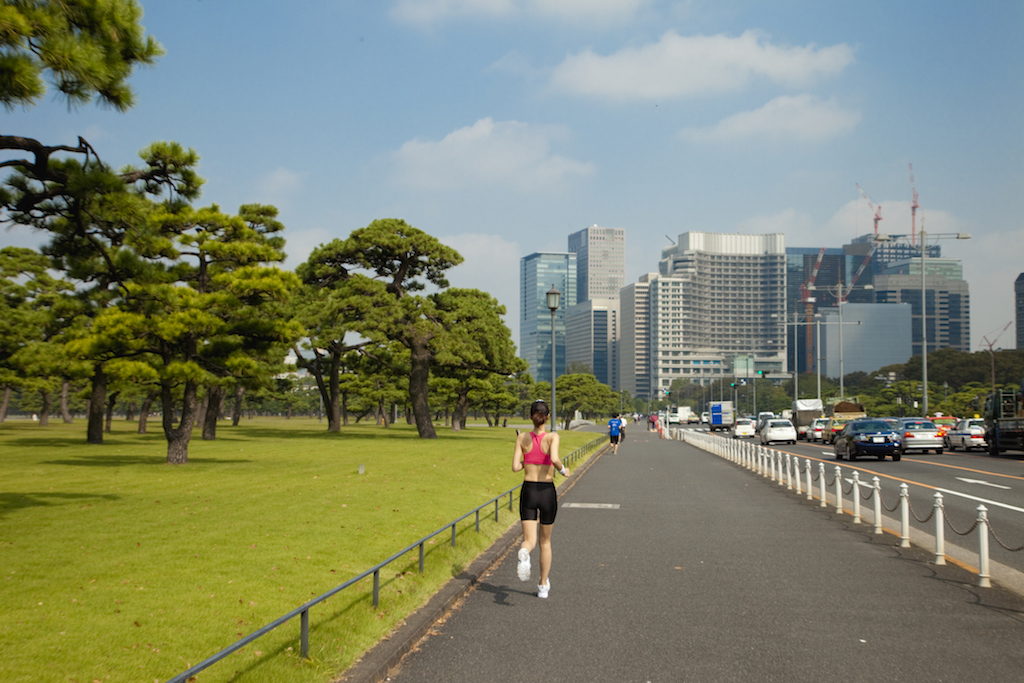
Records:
x=922, y=248
x=553, y=297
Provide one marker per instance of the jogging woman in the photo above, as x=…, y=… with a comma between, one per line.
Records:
x=537, y=453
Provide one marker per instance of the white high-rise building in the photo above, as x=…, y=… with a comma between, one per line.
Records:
x=718, y=307
x=600, y=262
x=634, y=337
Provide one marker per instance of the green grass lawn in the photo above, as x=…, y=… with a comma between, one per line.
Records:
x=115, y=566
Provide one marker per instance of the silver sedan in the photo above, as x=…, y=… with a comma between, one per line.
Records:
x=920, y=435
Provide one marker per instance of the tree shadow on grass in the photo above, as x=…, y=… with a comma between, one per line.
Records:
x=129, y=460
x=11, y=502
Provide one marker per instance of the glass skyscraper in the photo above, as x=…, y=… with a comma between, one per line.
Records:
x=537, y=273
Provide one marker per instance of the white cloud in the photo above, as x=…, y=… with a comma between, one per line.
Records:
x=678, y=66
x=503, y=153
x=591, y=11
x=799, y=117
x=279, y=186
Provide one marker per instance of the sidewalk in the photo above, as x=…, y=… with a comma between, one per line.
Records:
x=706, y=572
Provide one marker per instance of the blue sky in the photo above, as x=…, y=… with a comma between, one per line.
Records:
x=500, y=126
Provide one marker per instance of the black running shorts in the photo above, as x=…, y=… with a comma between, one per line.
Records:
x=538, y=497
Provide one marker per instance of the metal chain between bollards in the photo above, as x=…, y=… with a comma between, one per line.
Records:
x=893, y=508
x=956, y=531
x=1004, y=546
x=871, y=492
x=922, y=521
x=850, y=491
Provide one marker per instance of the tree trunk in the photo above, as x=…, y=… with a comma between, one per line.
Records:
x=129, y=411
x=147, y=405
x=459, y=414
x=408, y=415
x=344, y=407
x=419, y=389
x=44, y=412
x=111, y=401
x=214, y=400
x=201, y=411
x=65, y=412
x=5, y=403
x=178, y=438
x=97, y=399
x=236, y=411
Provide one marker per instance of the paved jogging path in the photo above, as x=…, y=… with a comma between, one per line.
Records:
x=707, y=572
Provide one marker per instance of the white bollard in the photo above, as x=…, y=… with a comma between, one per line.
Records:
x=878, y=504
x=940, y=530
x=821, y=481
x=984, y=577
x=810, y=493
x=789, y=474
x=778, y=458
x=904, y=516
x=796, y=474
x=839, y=490
x=856, y=497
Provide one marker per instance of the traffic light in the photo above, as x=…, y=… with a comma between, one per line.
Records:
x=732, y=384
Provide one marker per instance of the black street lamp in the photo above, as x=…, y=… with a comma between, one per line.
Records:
x=553, y=297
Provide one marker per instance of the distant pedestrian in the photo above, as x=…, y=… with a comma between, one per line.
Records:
x=616, y=428
x=536, y=452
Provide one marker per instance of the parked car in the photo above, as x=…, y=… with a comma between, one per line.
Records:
x=919, y=434
x=742, y=427
x=817, y=429
x=705, y=417
x=967, y=434
x=835, y=425
x=868, y=436
x=778, y=430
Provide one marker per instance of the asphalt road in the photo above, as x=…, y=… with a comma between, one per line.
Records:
x=703, y=571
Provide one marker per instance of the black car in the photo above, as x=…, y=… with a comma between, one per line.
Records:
x=867, y=436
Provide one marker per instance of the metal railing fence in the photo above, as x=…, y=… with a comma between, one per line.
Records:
x=785, y=469
x=303, y=610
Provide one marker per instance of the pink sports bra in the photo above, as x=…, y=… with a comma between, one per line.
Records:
x=536, y=456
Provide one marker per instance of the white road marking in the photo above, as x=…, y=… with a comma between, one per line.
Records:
x=598, y=506
x=984, y=483
x=982, y=500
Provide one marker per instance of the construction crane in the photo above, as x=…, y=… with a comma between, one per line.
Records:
x=808, y=300
x=914, y=206
x=876, y=209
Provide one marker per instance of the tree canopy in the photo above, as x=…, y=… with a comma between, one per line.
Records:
x=87, y=48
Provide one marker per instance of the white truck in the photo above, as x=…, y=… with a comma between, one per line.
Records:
x=680, y=415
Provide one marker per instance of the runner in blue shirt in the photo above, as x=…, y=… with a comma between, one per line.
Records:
x=615, y=429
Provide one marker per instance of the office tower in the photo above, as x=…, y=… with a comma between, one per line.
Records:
x=634, y=337
x=873, y=336
x=538, y=272
x=600, y=262
x=814, y=276
x=947, y=300
x=591, y=330
x=718, y=307
x=896, y=248
x=1018, y=290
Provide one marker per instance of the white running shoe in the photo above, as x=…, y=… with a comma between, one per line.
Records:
x=542, y=591
x=523, y=569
